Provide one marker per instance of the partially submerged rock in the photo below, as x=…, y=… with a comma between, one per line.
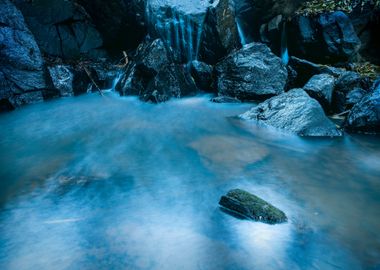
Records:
x=252, y=207
x=251, y=73
x=294, y=112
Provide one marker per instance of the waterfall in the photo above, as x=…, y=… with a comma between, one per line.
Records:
x=241, y=34
x=284, y=45
x=116, y=80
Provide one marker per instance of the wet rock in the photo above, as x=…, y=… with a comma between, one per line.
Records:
x=354, y=96
x=344, y=85
x=62, y=79
x=365, y=115
x=325, y=38
x=153, y=75
x=61, y=28
x=171, y=82
x=223, y=99
x=251, y=73
x=252, y=207
x=202, y=74
x=22, y=75
x=321, y=87
x=294, y=112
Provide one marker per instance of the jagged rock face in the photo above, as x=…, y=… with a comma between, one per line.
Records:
x=251, y=73
x=321, y=87
x=365, y=115
x=201, y=30
x=347, y=82
x=21, y=65
x=202, y=75
x=121, y=22
x=62, y=79
x=326, y=38
x=154, y=76
x=61, y=28
x=293, y=112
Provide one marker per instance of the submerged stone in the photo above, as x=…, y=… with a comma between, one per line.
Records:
x=252, y=207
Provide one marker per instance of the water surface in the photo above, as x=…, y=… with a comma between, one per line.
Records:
x=113, y=183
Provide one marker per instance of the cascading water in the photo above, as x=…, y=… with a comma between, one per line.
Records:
x=284, y=45
x=116, y=80
x=241, y=33
x=182, y=32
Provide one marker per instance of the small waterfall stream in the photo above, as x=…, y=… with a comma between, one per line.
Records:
x=284, y=45
x=243, y=40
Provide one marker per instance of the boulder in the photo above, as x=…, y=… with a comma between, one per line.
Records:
x=365, y=115
x=324, y=38
x=295, y=112
x=62, y=79
x=154, y=76
x=251, y=73
x=202, y=74
x=252, y=207
x=346, y=83
x=21, y=63
x=62, y=28
x=321, y=87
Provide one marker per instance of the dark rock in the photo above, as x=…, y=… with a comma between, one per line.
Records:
x=306, y=69
x=321, y=87
x=154, y=76
x=354, y=96
x=365, y=115
x=223, y=99
x=121, y=22
x=251, y=73
x=22, y=75
x=252, y=207
x=293, y=112
x=170, y=82
x=202, y=75
x=325, y=38
x=344, y=85
x=5, y=106
x=62, y=79
x=61, y=28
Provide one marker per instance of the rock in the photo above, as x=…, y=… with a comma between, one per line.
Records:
x=121, y=22
x=170, y=82
x=197, y=30
x=202, y=75
x=22, y=75
x=365, y=115
x=154, y=76
x=344, y=85
x=62, y=79
x=325, y=38
x=223, y=99
x=293, y=112
x=61, y=28
x=321, y=87
x=251, y=73
x=252, y=207
x=354, y=96
x=306, y=69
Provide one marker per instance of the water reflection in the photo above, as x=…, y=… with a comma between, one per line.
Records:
x=112, y=183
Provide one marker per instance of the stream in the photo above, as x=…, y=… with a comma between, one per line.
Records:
x=110, y=182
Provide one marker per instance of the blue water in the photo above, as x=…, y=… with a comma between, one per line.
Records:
x=112, y=183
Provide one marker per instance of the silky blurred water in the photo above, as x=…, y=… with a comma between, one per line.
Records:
x=113, y=183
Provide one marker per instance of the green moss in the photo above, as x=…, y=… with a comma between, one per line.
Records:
x=366, y=69
x=313, y=7
x=252, y=207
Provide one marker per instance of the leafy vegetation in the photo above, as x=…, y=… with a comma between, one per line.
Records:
x=320, y=6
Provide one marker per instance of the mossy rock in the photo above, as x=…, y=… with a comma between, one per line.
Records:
x=252, y=207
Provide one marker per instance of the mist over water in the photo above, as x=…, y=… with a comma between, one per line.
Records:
x=113, y=183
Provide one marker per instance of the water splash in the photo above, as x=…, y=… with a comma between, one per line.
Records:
x=116, y=80
x=284, y=45
x=243, y=40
